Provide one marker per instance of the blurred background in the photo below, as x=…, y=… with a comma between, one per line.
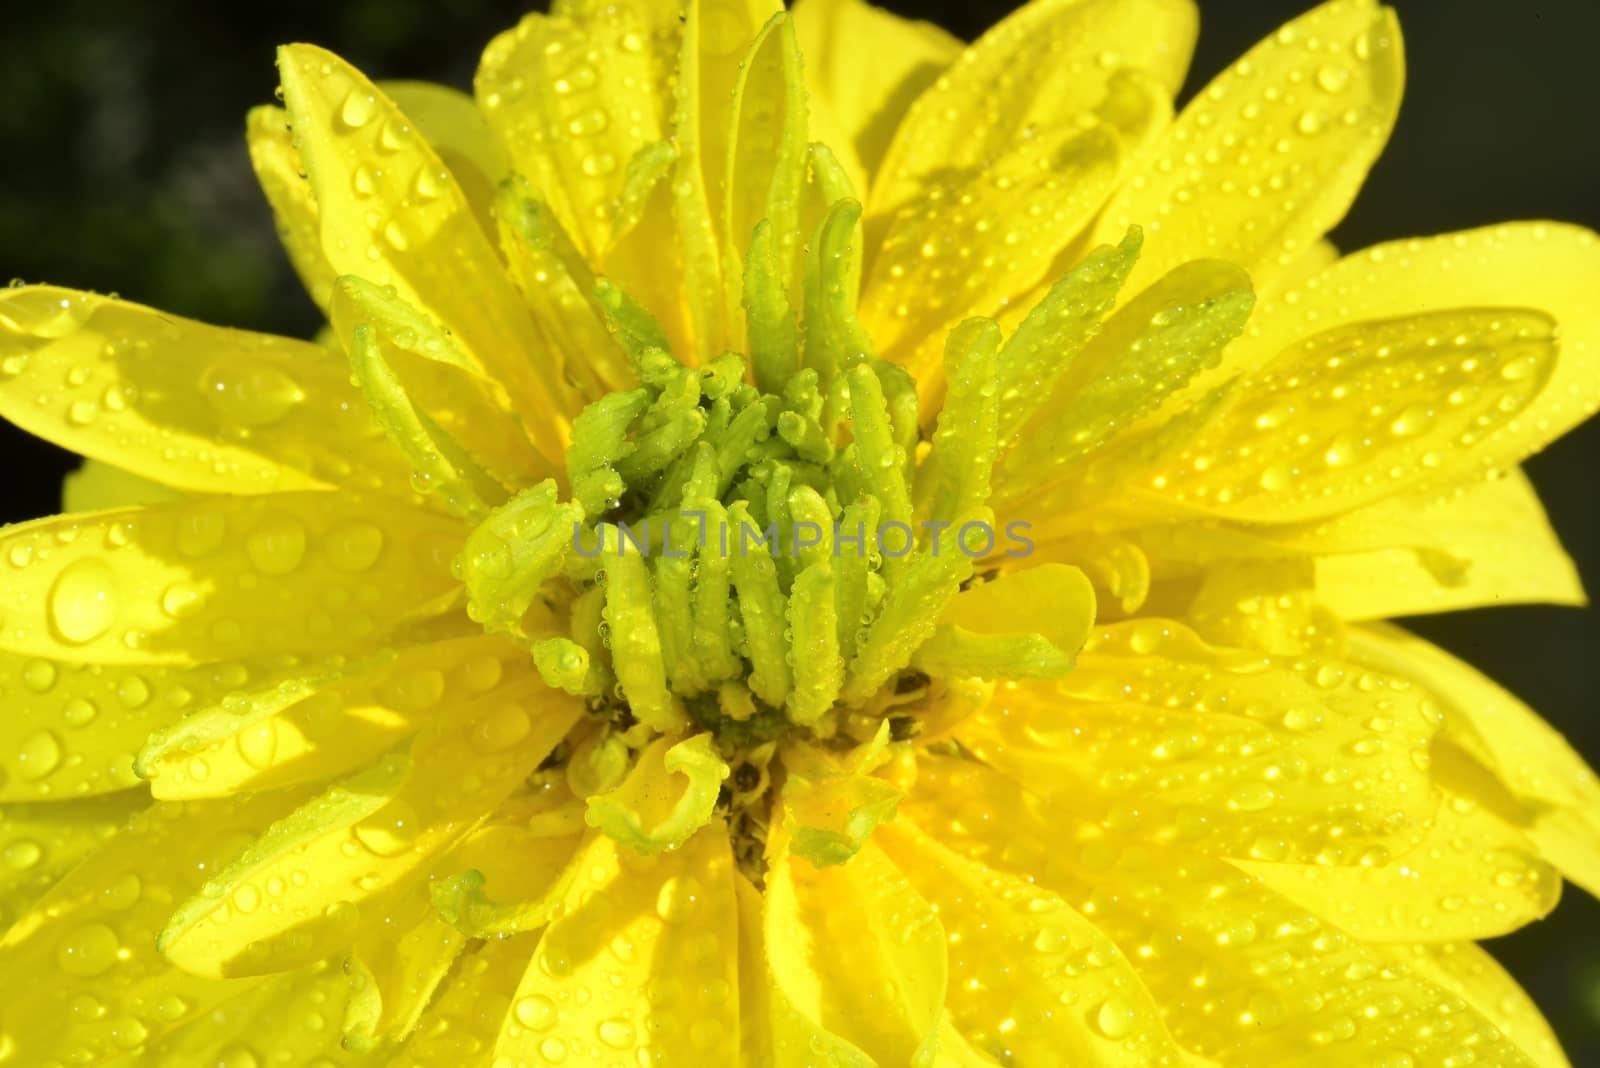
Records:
x=121, y=132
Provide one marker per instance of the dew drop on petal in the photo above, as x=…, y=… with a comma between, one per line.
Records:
x=83, y=601
x=277, y=545
x=88, y=951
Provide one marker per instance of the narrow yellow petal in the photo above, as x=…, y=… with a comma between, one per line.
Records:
x=74, y=730
x=459, y=1027
x=572, y=101
x=391, y=212
x=310, y=725
x=975, y=240
x=1552, y=267
x=1299, y=759
x=644, y=956
x=985, y=630
x=93, y=936
x=864, y=66
x=39, y=844
x=1041, y=68
x=1021, y=962
x=854, y=934
x=397, y=964
x=283, y=180
x=1269, y=156
x=451, y=123
x=369, y=835
x=291, y=1018
x=191, y=406
x=1526, y=769
x=223, y=578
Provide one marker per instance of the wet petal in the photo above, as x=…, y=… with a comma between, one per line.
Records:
x=222, y=579
x=459, y=1028
x=1042, y=68
x=84, y=980
x=287, y=1019
x=294, y=208
x=1500, y=753
x=1269, y=156
x=372, y=833
x=390, y=214
x=643, y=957
x=195, y=407
x=1473, y=975
x=1028, y=974
x=1158, y=736
x=1240, y=975
x=97, y=485
x=39, y=844
x=1546, y=266
x=451, y=123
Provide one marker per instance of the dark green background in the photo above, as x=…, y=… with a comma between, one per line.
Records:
x=124, y=170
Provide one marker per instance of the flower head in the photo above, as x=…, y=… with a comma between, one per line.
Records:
x=802, y=543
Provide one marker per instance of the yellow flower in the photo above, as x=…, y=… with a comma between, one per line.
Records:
x=348, y=720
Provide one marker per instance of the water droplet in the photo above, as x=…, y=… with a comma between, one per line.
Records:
x=536, y=1012
x=500, y=729
x=389, y=832
x=678, y=898
x=618, y=1034
x=277, y=545
x=258, y=744
x=237, y=1056
x=133, y=691
x=1115, y=1018
x=358, y=109
x=249, y=393
x=79, y=711
x=200, y=532
x=22, y=854
x=39, y=675
x=88, y=951
x=83, y=601
x=123, y=892
x=38, y=755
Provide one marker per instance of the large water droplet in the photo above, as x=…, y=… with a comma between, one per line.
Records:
x=536, y=1012
x=358, y=109
x=249, y=393
x=277, y=545
x=88, y=951
x=83, y=601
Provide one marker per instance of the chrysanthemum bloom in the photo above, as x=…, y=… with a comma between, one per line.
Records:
x=802, y=544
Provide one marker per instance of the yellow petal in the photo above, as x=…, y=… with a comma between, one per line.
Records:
x=1159, y=736
x=97, y=485
x=283, y=180
x=191, y=406
x=287, y=1019
x=767, y=160
x=41, y=843
x=73, y=730
x=451, y=123
x=1365, y=411
x=1527, y=771
x=222, y=579
x=391, y=213
x=855, y=934
x=715, y=33
x=459, y=1028
x=1471, y=974
x=370, y=834
x=395, y=968
x=977, y=238
x=1240, y=975
x=1548, y=266
x=311, y=725
x=573, y=100
x=864, y=67
x=1028, y=974
x=1269, y=156
x=643, y=957
x=83, y=980
x=1472, y=877
x=1440, y=551
x=1041, y=68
